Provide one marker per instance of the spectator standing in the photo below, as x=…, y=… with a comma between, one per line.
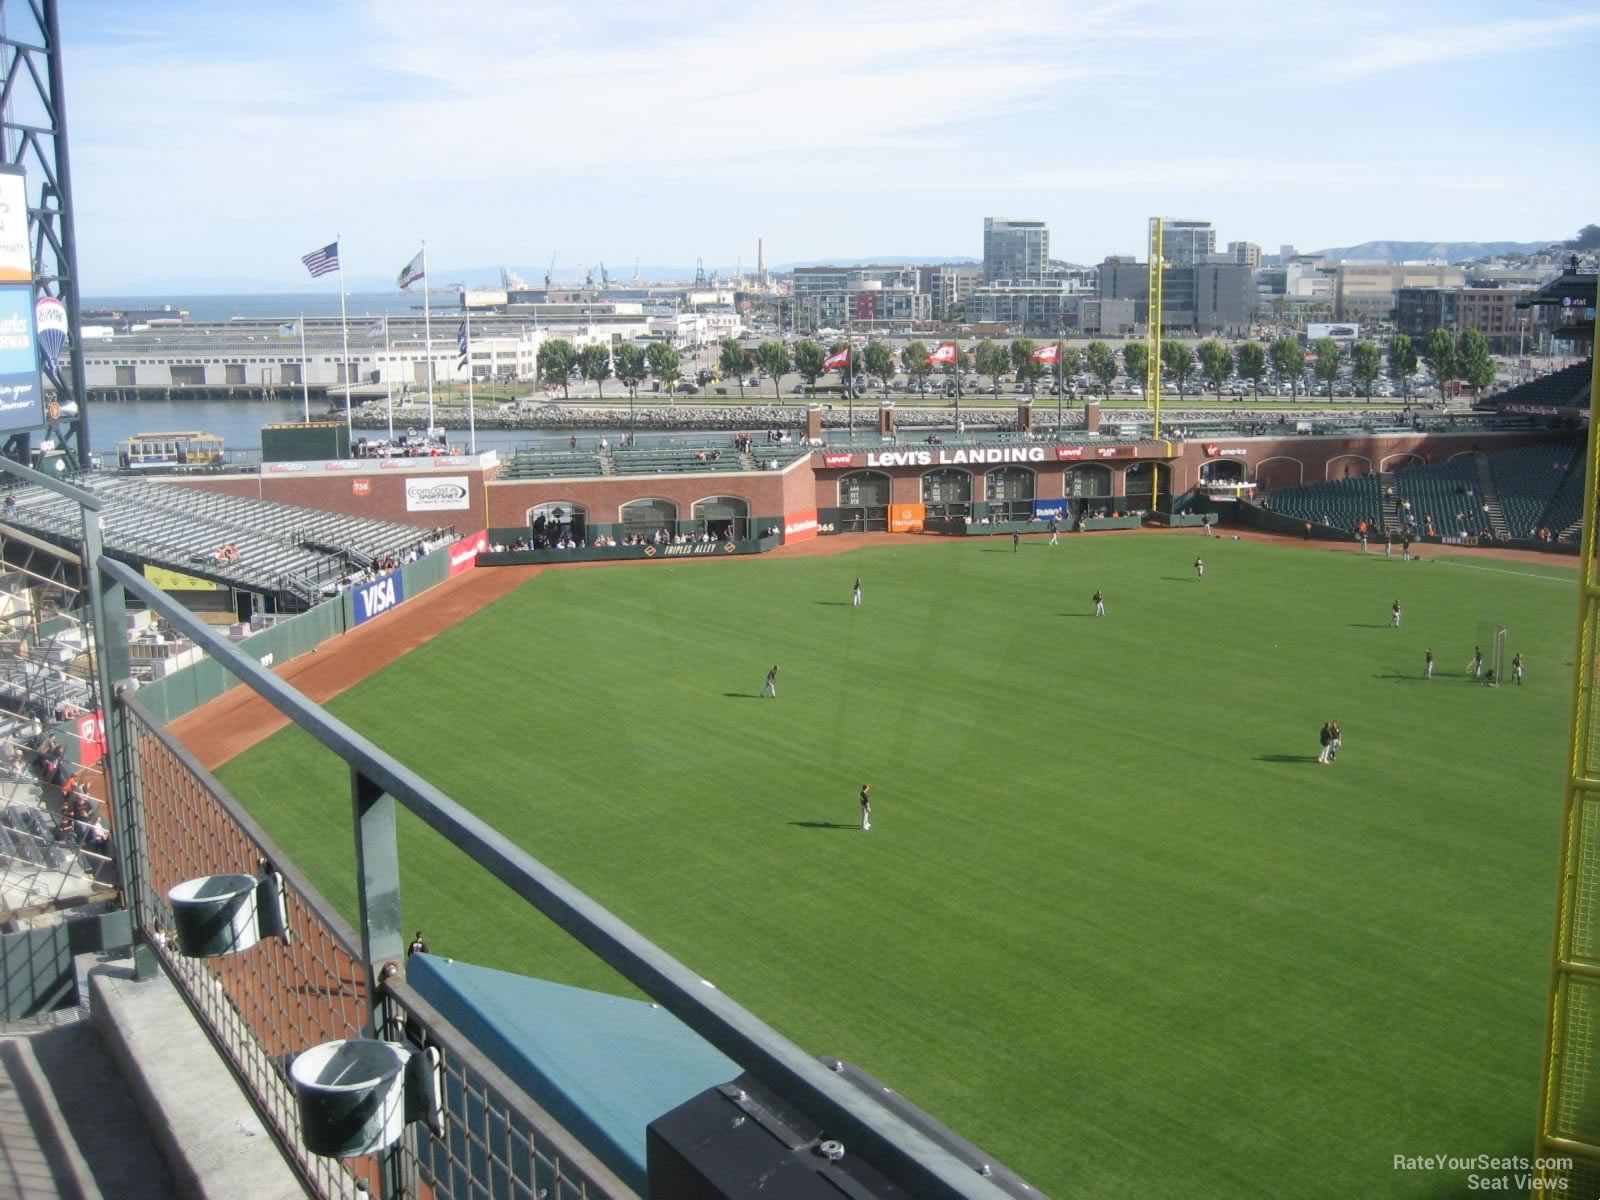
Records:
x=417, y=946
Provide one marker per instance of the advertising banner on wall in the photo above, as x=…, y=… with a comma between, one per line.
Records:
x=378, y=597
x=16, y=262
x=800, y=526
x=177, y=581
x=437, y=493
x=906, y=518
x=1339, y=331
x=464, y=554
x=20, y=394
x=1049, y=510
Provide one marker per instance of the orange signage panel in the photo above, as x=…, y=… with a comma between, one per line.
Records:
x=906, y=518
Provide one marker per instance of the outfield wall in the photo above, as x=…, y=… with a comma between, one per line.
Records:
x=184, y=691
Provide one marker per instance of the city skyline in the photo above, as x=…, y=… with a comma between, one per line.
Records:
x=505, y=133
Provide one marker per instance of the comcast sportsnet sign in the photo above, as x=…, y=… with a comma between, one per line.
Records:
x=437, y=493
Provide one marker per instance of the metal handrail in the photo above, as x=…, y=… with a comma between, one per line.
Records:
x=931, y=1170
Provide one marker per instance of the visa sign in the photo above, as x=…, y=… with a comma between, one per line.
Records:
x=378, y=597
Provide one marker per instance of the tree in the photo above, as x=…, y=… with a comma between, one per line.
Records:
x=1136, y=363
x=1178, y=361
x=734, y=361
x=663, y=362
x=1366, y=361
x=1252, y=360
x=878, y=359
x=630, y=366
x=1439, y=352
x=1474, y=365
x=1068, y=364
x=555, y=362
x=1216, y=364
x=1028, y=371
x=1402, y=361
x=594, y=362
x=992, y=361
x=914, y=358
x=1287, y=363
x=808, y=358
x=1588, y=238
x=1326, y=365
x=1102, y=364
x=773, y=358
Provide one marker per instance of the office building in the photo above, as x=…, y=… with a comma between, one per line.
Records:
x=947, y=287
x=1366, y=291
x=1015, y=250
x=1493, y=312
x=1024, y=307
x=1185, y=243
x=833, y=297
x=1246, y=254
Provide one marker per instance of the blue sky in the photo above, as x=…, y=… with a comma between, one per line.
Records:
x=214, y=144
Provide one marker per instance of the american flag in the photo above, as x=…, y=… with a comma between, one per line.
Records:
x=461, y=343
x=320, y=262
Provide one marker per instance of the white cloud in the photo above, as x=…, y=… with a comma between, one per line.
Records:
x=1439, y=43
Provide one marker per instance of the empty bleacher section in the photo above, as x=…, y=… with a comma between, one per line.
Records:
x=1563, y=516
x=1537, y=487
x=1339, y=503
x=551, y=464
x=1567, y=388
x=1528, y=480
x=285, y=551
x=673, y=460
x=1447, y=494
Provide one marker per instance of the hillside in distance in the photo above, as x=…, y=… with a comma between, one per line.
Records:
x=1450, y=252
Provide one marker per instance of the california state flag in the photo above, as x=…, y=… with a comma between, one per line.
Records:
x=1047, y=354
x=838, y=359
x=946, y=353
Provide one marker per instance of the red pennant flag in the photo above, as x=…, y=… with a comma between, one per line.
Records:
x=1050, y=354
x=946, y=353
x=840, y=359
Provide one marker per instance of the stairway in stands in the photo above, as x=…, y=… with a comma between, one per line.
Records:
x=608, y=461
x=1491, y=497
x=1388, y=493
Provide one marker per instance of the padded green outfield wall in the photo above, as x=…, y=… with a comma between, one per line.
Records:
x=186, y=690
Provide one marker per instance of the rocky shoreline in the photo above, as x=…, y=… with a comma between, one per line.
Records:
x=686, y=417
x=674, y=418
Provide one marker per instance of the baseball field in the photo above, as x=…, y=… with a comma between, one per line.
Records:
x=1113, y=920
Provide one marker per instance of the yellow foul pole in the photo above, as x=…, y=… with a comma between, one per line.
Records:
x=1567, y=1148
x=1152, y=337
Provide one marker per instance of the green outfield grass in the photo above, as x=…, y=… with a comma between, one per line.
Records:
x=1113, y=922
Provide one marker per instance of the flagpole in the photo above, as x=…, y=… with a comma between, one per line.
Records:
x=344, y=329
x=388, y=383
x=305, y=388
x=427, y=335
x=472, y=419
